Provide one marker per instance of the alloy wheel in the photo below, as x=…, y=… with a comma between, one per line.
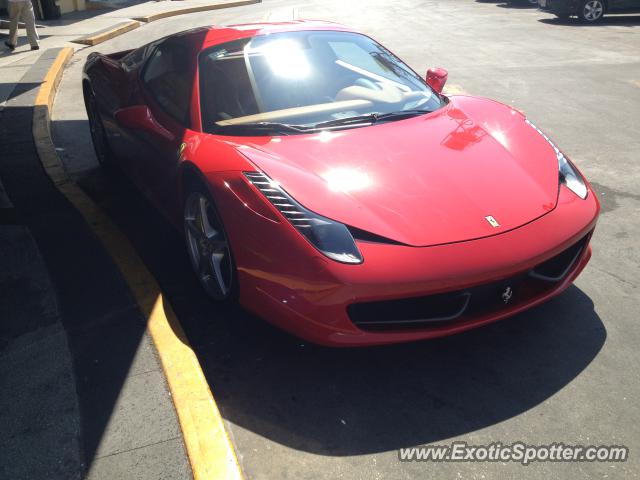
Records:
x=593, y=10
x=208, y=246
x=98, y=135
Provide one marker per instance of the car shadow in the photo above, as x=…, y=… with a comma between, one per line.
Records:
x=356, y=401
x=359, y=401
x=519, y=4
x=608, y=20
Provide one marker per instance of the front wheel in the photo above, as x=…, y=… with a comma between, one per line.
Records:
x=591, y=11
x=98, y=134
x=208, y=246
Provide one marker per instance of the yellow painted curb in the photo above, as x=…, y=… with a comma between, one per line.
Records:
x=40, y=127
x=108, y=33
x=208, y=446
x=203, y=8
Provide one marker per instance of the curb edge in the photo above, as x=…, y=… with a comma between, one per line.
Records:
x=207, y=442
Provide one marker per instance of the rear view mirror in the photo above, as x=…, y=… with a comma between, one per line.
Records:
x=436, y=78
x=139, y=117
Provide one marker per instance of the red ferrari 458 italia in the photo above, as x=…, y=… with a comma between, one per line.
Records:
x=333, y=191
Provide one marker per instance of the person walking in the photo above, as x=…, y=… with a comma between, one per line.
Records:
x=22, y=10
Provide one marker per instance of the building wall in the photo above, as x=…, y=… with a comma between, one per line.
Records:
x=67, y=6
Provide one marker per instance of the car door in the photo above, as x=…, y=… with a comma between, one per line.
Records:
x=166, y=84
x=122, y=141
x=624, y=5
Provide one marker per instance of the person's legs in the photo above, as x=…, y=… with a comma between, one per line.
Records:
x=14, y=16
x=29, y=19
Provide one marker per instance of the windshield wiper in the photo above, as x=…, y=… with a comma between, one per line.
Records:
x=287, y=128
x=371, y=118
x=400, y=114
x=260, y=127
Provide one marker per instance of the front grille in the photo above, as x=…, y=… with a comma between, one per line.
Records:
x=557, y=267
x=432, y=310
x=407, y=311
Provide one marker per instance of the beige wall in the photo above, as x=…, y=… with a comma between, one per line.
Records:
x=67, y=6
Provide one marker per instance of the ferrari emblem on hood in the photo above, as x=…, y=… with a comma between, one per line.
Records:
x=492, y=221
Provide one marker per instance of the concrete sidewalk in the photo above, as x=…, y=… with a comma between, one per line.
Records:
x=64, y=31
x=82, y=393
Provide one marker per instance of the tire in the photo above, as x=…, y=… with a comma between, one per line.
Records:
x=208, y=246
x=98, y=133
x=591, y=11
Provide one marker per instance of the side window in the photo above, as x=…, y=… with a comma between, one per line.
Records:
x=134, y=59
x=167, y=78
x=225, y=86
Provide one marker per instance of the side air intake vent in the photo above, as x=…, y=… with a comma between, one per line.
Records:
x=332, y=238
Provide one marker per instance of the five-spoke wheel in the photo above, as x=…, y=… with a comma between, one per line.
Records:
x=591, y=10
x=208, y=246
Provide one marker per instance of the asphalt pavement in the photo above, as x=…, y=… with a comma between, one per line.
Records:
x=82, y=392
x=563, y=372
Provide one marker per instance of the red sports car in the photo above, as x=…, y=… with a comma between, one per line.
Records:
x=332, y=190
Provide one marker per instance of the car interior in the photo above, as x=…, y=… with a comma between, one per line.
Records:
x=323, y=77
x=167, y=77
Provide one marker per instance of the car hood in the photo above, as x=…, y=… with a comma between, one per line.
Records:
x=423, y=181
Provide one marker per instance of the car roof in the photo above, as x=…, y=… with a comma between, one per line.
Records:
x=217, y=34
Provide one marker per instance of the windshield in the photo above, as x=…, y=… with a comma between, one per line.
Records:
x=296, y=81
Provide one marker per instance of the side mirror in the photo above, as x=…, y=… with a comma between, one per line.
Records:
x=436, y=78
x=139, y=117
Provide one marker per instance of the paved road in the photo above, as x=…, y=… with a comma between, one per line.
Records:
x=564, y=372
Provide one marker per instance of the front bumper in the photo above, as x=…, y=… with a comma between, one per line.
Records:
x=286, y=281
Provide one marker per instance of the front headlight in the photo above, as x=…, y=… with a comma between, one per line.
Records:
x=331, y=238
x=571, y=178
x=568, y=174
